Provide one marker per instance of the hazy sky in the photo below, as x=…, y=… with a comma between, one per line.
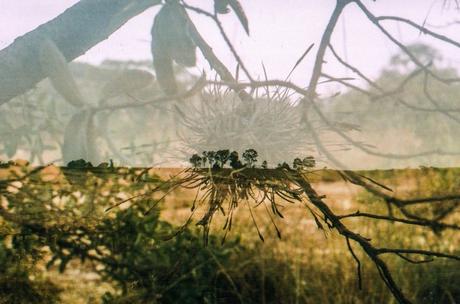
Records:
x=280, y=32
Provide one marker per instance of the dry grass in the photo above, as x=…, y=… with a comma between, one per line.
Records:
x=323, y=267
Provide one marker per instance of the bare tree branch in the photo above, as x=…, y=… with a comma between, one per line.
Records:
x=401, y=220
x=421, y=28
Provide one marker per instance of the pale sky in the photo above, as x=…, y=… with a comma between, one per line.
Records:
x=280, y=32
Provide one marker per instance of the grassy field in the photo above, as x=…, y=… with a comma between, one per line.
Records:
x=305, y=265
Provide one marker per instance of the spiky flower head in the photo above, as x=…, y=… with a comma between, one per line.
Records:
x=218, y=121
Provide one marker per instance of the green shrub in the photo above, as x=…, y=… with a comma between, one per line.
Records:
x=130, y=251
x=183, y=270
x=17, y=286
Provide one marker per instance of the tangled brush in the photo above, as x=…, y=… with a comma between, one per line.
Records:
x=222, y=189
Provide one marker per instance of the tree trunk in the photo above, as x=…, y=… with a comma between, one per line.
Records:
x=74, y=32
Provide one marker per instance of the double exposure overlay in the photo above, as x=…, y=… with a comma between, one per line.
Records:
x=229, y=151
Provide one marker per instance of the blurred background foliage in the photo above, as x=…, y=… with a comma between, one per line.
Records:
x=42, y=127
x=406, y=121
